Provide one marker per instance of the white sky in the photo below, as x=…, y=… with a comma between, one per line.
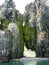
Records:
x=20, y=4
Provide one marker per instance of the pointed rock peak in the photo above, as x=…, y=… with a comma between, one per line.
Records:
x=9, y=3
x=8, y=9
x=8, y=0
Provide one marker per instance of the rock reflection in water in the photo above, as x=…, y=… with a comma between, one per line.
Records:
x=31, y=62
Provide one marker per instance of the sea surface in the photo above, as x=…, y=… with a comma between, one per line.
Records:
x=27, y=63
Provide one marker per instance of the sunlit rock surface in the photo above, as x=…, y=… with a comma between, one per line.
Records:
x=28, y=52
x=32, y=20
x=15, y=40
x=47, y=2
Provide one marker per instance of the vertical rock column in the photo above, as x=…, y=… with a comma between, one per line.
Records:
x=15, y=49
x=40, y=30
x=5, y=40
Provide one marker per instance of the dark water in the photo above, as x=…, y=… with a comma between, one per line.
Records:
x=27, y=63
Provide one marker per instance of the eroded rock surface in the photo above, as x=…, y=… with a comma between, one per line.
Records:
x=5, y=40
x=15, y=41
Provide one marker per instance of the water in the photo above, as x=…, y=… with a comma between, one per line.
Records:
x=27, y=63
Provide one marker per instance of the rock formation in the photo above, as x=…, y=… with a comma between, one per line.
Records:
x=30, y=17
x=10, y=45
x=5, y=41
x=15, y=50
x=8, y=10
x=39, y=17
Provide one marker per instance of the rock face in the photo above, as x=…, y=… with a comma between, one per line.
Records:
x=39, y=17
x=5, y=40
x=30, y=9
x=9, y=38
x=42, y=30
x=30, y=13
x=8, y=10
x=32, y=20
x=9, y=43
x=15, y=50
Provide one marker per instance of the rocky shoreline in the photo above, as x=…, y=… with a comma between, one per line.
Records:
x=33, y=59
x=29, y=59
x=26, y=60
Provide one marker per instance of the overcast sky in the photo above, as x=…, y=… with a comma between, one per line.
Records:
x=20, y=4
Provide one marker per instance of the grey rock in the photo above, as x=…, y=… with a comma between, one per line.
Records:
x=16, y=40
x=5, y=40
x=8, y=10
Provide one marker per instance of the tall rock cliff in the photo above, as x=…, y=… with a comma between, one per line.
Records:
x=38, y=16
x=42, y=30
